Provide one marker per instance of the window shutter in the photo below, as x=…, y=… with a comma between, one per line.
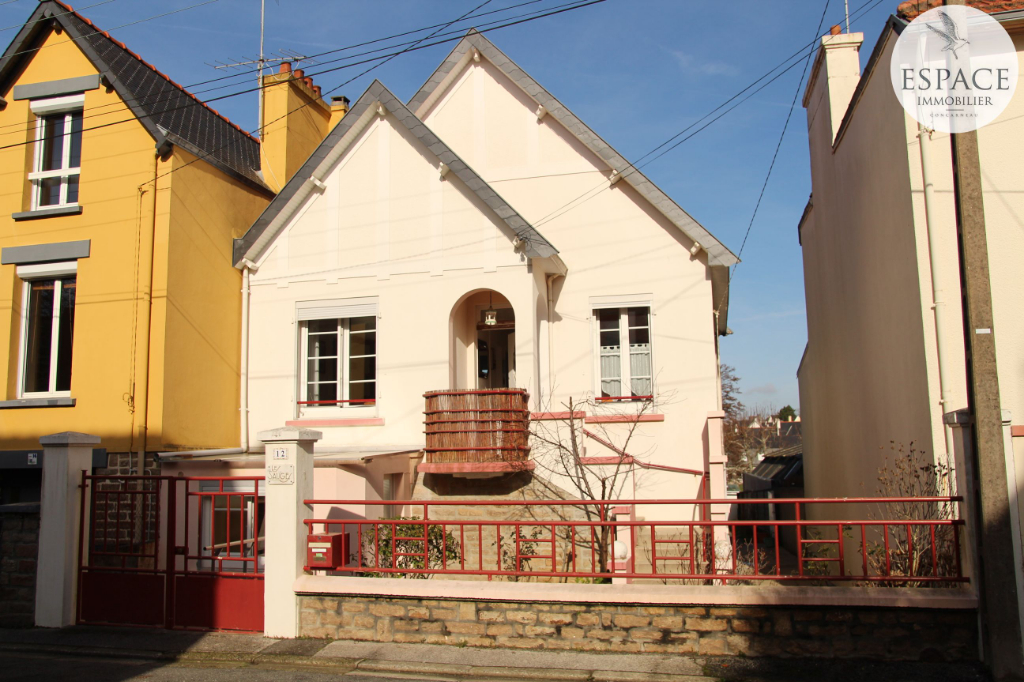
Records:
x=336, y=309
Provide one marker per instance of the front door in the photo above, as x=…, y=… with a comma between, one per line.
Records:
x=496, y=358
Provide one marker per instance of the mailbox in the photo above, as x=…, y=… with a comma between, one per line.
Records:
x=326, y=551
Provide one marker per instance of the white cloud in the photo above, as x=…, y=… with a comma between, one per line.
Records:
x=690, y=64
x=764, y=389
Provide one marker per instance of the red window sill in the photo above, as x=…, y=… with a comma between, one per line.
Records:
x=623, y=418
x=377, y=421
x=552, y=416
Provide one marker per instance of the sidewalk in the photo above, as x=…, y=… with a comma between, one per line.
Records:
x=343, y=656
x=452, y=662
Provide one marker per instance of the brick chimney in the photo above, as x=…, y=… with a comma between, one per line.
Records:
x=339, y=107
x=296, y=120
x=834, y=78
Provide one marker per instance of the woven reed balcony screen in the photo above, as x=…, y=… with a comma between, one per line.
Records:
x=477, y=426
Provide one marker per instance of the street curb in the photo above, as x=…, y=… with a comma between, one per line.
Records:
x=494, y=673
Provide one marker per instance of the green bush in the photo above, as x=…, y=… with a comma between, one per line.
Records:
x=406, y=549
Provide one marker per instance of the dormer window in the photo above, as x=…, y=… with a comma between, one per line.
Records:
x=58, y=151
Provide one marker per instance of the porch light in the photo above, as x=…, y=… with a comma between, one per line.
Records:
x=490, y=315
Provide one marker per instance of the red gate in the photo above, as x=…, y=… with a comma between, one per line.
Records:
x=172, y=552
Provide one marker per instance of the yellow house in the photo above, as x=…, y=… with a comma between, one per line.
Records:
x=120, y=195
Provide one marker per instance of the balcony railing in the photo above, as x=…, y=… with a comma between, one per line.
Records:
x=485, y=429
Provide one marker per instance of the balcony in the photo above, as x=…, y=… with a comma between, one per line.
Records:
x=485, y=432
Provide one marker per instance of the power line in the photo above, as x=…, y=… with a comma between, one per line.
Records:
x=238, y=76
x=9, y=28
x=409, y=49
x=635, y=166
x=529, y=16
x=782, y=136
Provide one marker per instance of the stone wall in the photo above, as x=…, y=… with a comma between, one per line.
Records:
x=828, y=632
x=19, y=548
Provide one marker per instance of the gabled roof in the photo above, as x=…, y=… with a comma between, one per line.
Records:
x=276, y=216
x=166, y=109
x=718, y=253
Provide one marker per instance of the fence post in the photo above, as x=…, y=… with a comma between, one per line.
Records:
x=289, y=481
x=714, y=464
x=65, y=456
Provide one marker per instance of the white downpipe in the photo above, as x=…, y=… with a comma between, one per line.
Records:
x=938, y=279
x=244, y=370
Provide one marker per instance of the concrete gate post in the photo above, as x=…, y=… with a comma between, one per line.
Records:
x=289, y=481
x=65, y=456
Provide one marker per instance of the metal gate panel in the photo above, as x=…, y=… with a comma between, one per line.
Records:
x=173, y=552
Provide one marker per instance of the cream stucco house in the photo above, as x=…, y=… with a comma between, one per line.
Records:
x=885, y=355
x=477, y=240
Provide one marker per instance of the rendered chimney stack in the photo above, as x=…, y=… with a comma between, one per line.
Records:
x=297, y=120
x=339, y=107
x=834, y=78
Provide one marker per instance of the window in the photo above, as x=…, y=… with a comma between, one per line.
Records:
x=626, y=370
x=47, y=329
x=339, y=362
x=58, y=154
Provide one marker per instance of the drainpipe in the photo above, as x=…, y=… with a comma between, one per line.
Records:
x=938, y=278
x=247, y=266
x=146, y=317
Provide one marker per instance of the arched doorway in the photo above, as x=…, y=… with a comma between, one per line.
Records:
x=483, y=342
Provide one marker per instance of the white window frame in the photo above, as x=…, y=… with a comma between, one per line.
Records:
x=45, y=107
x=622, y=305
x=29, y=274
x=344, y=344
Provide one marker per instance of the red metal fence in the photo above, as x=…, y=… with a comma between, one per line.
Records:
x=168, y=551
x=913, y=541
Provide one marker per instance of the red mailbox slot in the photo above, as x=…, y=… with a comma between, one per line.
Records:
x=326, y=551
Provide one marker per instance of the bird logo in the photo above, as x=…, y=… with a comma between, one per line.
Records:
x=951, y=34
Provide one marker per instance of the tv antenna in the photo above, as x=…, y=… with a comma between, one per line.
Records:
x=262, y=61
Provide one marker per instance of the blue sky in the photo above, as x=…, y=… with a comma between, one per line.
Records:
x=637, y=71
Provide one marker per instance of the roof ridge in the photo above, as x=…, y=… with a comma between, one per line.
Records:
x=71, y=10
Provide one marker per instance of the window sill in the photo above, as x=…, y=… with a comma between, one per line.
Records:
x=48, y=212
x=351, y=421
x=63, y=401
x=623, y=418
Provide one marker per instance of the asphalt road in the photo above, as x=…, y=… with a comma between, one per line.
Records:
x=30, y=667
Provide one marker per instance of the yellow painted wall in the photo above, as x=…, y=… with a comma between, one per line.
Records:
x=296, y=122
x=195, y=331
x=115, y=161
x=197, y=304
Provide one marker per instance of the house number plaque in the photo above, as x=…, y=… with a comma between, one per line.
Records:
x=281, y=474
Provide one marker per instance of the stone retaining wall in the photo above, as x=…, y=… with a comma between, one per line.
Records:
x=829, y=632
x=19, y=550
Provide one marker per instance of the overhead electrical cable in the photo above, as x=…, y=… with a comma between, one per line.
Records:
x=674, y=141
x=382, y=58
x=239, y=76
x=782, y=136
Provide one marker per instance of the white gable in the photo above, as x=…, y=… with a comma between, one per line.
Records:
x=385, y=210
